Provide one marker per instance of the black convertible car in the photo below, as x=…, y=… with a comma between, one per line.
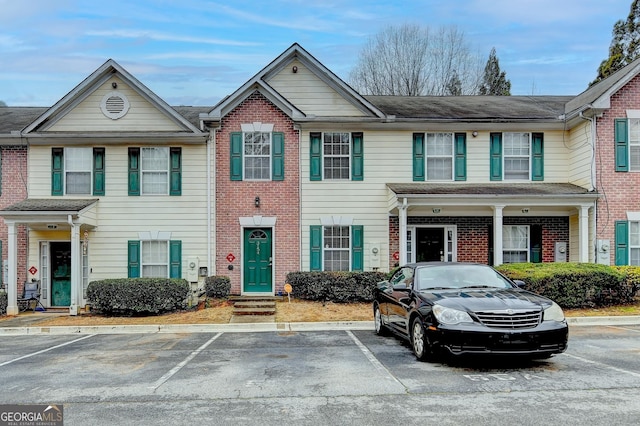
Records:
x=465, y=308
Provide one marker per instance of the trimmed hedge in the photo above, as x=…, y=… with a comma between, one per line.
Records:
x=340, y=287
x=577, y=285
x=137, y=296
x=218, y=286
x=3, y=303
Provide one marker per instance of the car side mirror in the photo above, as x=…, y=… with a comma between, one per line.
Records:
x=400, y=286
x=520, y=283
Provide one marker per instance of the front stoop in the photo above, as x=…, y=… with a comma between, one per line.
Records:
x=253, y=308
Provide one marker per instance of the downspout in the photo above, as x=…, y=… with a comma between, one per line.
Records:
x=592, y=225
x=75, y=265
x=402, y=230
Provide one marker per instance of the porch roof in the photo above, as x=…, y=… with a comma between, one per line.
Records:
x=37, y=212
x=525, y=189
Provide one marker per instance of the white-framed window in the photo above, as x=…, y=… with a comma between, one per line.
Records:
x=78, y=167
x=154, y=259
x=515, y=243
x=634, y=144
x=336, y=248
x=439, y=156
x=634, y=243
x=154, y=168
x=336, y=147
x=257, y=155
x=517, y=156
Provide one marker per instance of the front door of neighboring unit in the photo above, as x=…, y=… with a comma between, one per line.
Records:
x=60, y=273
x=257, y=261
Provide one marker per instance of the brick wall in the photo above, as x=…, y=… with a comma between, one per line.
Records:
x=235, y=199
x=619, y=190
x=14, y=189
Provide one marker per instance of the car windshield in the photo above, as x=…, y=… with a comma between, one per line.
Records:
x=459, y=276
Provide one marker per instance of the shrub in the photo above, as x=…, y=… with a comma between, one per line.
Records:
x=218, y=287
x=137, y=296
x=337, y=287
x=3, y=302
x=574, y=285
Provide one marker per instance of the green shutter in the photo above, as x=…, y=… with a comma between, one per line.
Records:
x=537, y=156
x=316, y=248
x=134, y=259
x=357, y=154
x=236, y=156
x=1, y=257
x=460, y=156
x=496, y=156
x=57, y=171
x=134, y=171
x=0, y=182
x=622, y=242
x=98, y=171
x=277, y=171
x=175, y=259
x=315, y=166
x=357, y=248
x=621, y=142
x=175, y=174
x=418, y=157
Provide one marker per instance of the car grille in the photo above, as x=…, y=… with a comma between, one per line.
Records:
x=510, y=319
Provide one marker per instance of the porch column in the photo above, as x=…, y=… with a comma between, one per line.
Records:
x=583, y=232
x=497, y=234
x=402, y=230
x=12, y=285
x=76, y=264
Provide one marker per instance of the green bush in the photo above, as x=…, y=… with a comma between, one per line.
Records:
x=137, y=296
x=575, y=285
x=218, y=286
x=340, y=287
x=3, y=302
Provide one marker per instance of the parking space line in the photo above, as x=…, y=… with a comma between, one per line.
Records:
x=184, y=362
x=623, y=328
x=372, y=358
x=45, y=350
x=610, y=367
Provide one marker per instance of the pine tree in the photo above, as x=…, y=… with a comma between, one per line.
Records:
x=454, y=85
x=494, y=82
x=625, y=44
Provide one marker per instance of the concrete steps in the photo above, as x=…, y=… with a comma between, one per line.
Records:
x=253, y=305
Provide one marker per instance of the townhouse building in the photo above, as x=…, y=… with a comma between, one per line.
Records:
x=295, y=170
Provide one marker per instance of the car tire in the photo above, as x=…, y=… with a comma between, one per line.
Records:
x=420, y=344
x=378, y=322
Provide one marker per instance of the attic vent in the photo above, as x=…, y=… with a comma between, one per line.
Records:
x=114, y=105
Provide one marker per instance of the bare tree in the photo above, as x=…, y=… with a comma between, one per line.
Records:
x=410, y=60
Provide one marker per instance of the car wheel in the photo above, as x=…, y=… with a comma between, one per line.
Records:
x=381, y=329
x=420, y=342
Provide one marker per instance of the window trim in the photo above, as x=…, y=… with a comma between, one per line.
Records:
x=246, y=157
x=528, y=156
x=526, y=250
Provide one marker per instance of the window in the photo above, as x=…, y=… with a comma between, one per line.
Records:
x=516, y=156
x=257, y=155
x=440, y=156
x=336, y=156
x=77, y=171
x=634, y=145
x=155, y=258
x=155, y=171
x=634, y=243
x=336, y=248
x=515, y=243
x=336, y=148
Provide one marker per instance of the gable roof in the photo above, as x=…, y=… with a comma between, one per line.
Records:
x=89, y=85
x=260, y=82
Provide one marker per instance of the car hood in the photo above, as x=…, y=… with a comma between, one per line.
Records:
x=484, y=299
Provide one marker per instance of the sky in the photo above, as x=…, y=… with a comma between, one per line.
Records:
x=196, y=52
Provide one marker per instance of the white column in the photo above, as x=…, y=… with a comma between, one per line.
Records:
x=402, y=231
x=583, y=232
x=12, y=285
x=497, y=235
x=76, y=265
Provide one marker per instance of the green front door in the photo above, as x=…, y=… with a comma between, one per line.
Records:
x=257, y=261
x=60, y=273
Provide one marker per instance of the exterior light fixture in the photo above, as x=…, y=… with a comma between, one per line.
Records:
x=257, y=201
x=525, y=210
x=474, y=133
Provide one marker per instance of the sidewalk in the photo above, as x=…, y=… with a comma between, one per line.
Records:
x=27, y=324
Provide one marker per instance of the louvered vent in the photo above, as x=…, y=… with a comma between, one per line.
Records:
x=114, y=105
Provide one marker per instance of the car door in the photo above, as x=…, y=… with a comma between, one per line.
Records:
x=398, y=305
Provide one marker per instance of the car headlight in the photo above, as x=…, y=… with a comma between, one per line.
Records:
x=553, y=313
x=449, y=315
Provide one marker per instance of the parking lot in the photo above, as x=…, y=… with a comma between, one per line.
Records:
x=315, y=377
